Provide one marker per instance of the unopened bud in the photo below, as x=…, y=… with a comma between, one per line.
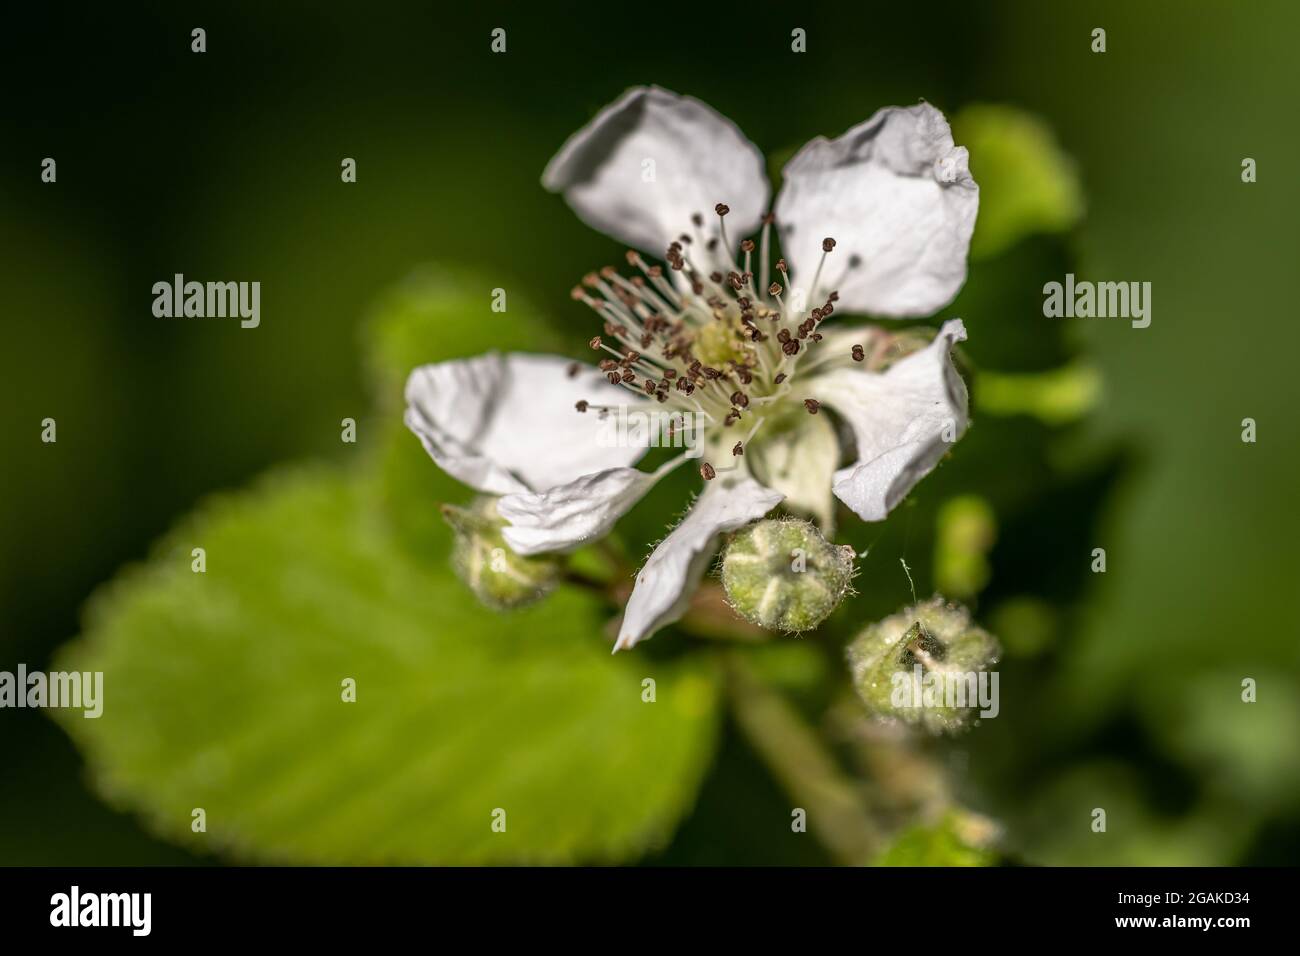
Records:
x=929, y=666
x=481, y=558
x=783, y=575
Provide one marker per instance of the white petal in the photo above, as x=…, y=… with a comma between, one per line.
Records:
x=899, y=201
x=507, y=423
x=568, y=516
x=904, y=420
x=652, y=159
x=663, y=587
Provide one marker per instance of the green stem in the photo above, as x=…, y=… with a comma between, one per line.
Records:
x=800, y=762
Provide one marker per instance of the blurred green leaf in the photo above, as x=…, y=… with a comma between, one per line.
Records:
x=959, y=839
x=223, y=691
x=1027, y=183
x=1055, y=397
x=966, y=528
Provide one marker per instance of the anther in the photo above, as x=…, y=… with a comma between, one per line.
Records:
x=858, y=354
x=779, y=379
x=747, y=245
x=738, y=450
x=774, y=289
x=595, y=342
x=828, y=244
x=581, y=405
x=573, y=369
x=707, y=472
x=722, y=209
x=812, y=405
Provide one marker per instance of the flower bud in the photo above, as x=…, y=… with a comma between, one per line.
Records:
x=481, y=558
x=927, y=666
x=781, y=574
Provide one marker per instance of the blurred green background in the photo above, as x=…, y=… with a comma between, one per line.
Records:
x=1119, y=690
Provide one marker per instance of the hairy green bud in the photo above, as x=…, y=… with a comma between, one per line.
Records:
x=481, y=558
x=783, y=575
x=927, y=666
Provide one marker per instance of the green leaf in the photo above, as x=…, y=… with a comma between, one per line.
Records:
x=223, y=691
x=961, y=838
x=1027, y=182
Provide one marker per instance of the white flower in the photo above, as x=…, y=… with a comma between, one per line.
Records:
x=743, y=362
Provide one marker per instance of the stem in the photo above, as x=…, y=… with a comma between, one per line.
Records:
x=802, y=765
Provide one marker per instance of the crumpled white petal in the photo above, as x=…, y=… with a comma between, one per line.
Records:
x=506, y=424
x=898, y=198
x=650, y=160
x=571, y=515
x=902, y=419
x=663, y=587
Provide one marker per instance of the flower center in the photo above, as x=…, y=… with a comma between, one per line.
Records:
x=708, y=336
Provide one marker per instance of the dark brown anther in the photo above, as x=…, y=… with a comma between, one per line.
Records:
x=828, y=244
x=780, y=266
x=697, y=286
x=607, y=365
x=573, y=369
x=628, y=376
x=827, y=309
x=747, y=245
x=646, y=340
x=833, y=297
x=670, y=373
x=697, y=219
x=581, y=405
x=779, y=379
x=816, y=336
x=783, y=336
x=649, y=386
x=722, y=209
x=631, y=357
x=774, y=289
x=595, y=342
x=738, y=450
x=661, y=396
x=613, y=378
x=791, y=347
x=744, y=375
x=740, y=398
x=715, y=277
x=812, y=405
x=858, y=354
x=711, y=373
x=707, y=472
x=744, y=301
